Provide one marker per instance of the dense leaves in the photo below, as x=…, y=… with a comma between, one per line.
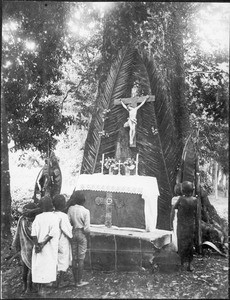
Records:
x=65, y=62
x=33, y=50
x=207, y=84
x=208, y=100
x=66, y=50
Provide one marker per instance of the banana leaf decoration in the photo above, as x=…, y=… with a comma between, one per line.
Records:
x=189, y=165
x=158, y=142
x=211, y=245
x=188, y=160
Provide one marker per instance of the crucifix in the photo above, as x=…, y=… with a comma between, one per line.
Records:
x=132, y=105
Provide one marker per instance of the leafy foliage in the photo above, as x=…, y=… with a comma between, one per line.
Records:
x=32, y=53
x=159, y=72
x=207, y=87
x=208, y=101
x=41, y=58
x=167, y=32
x=80, y=73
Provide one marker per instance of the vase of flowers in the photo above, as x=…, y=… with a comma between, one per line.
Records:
x=130, y=165
x=127, y=171
x=110, y=164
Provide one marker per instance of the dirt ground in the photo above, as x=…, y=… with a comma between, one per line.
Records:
x=209, y=280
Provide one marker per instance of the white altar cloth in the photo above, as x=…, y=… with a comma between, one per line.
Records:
x=146, y=186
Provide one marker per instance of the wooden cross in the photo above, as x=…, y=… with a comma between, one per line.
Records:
x=108, y=209
x=119, y=167
x=134, y=102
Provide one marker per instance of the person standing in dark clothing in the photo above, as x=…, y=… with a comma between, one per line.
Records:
x=187, y=208
x=173, y=215
x=55, y=175
x=23, y=242
x=79, y=218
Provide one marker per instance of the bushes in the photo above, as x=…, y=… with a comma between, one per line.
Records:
x=25, y=166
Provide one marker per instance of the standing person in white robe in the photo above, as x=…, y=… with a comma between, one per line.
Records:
x=64, y=245
x=173, y=217
x=45, y=233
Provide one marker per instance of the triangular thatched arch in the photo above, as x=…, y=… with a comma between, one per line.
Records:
x=159, y=151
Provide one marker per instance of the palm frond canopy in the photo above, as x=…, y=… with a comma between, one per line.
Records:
x=157, y=137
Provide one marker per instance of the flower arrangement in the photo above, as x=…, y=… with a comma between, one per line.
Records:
x=110, y=163
x=130, y=163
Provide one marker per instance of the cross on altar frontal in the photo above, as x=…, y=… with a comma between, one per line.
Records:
x=108, y=202
x=132, y=105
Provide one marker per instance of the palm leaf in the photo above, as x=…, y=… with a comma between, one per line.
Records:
x=165, y=159
x=115, y=87
x=160, y=153
x=189, y=167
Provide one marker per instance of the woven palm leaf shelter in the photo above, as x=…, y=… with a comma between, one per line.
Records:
x=159, y=133
x=162, y=125
x=167, y=150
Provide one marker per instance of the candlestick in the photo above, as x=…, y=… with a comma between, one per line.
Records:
x=119, y=169
x=102, y=163
x=137, y=160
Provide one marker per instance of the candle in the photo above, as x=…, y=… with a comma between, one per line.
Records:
x=137, y=159
x=102, y=163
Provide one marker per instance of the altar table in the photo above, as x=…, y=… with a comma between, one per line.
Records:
x=123, y=217
x=135, y=195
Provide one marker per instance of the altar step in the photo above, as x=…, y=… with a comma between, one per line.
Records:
x=114, y=249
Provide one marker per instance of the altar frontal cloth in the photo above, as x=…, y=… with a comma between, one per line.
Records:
x=142, y=192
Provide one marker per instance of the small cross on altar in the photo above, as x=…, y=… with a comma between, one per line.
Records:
x=132, y=105
x=119, y=163
x=119, y=167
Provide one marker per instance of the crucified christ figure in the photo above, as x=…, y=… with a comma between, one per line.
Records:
x=132, y=119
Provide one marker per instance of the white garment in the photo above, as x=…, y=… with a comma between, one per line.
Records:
x=44, y=263
x=174, y=235
x=64, y=245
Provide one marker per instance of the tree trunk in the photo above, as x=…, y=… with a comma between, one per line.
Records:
x=214, y=228
x=214, y=178
x=226, y=186
x=5, y=175
x=221, y=182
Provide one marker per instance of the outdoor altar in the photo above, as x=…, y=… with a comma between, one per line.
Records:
x=123, y=217
x=133, y=200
